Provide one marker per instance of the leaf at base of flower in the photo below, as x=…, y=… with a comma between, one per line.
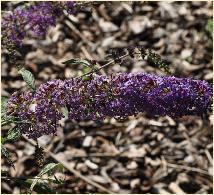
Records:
x=47, y=169
x=28, y=78
x=14, y=134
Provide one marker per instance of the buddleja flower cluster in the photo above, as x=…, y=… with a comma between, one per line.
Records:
x=33, y=20
x=117, y=96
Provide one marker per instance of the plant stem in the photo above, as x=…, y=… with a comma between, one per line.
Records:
x=105, y=65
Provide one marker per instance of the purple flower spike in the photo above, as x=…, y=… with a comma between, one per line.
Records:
x=34, y=19
x=117, y=96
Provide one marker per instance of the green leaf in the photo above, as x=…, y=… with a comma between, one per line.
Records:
x=4, y=101
x=28, y=78
x=3, y=140
x=40, y=188
x=7, y=155
x=11, y=119
x=47, y=169
x=78, y=61
x=89, y=66
x=89, y=76
x=209, y=28
x=14, y=134
x=50, y=167
x=86, y=69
